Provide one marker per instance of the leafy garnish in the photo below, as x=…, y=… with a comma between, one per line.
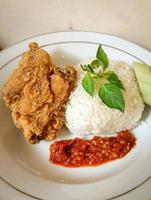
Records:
x=88, y=84
x=101, y=55
x=110, y=91
x=111, y=96
x=113, y=78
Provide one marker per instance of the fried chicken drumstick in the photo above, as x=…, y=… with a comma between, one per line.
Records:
x=36, y=93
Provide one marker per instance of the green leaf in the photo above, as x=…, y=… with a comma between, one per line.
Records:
x=88, y=84
x=101, y=55
x=111, y=96
x=96, y=63
x=113, y=78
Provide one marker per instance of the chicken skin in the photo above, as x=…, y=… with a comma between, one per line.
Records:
x=37, y=93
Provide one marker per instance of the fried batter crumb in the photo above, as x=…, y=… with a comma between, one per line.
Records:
x=37, y=92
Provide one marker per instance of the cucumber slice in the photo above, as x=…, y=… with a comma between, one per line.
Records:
x=143, y=75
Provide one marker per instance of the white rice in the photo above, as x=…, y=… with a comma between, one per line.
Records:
x=86, y=114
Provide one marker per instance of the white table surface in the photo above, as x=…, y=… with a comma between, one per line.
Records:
x=130, y=19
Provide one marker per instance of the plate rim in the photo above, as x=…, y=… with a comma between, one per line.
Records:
x=71, y=30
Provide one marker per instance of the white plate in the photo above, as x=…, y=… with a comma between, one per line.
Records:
x=26, y=167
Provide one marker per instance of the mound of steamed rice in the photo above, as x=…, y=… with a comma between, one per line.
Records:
x=89, y=115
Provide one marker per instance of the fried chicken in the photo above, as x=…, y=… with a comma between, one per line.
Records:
x=37, y=93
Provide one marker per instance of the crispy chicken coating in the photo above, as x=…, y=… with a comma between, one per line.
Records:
x=37, y=93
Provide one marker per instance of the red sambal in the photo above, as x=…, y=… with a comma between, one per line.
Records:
x=79, y=152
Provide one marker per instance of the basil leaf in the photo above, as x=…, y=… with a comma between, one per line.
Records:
x=101, y=55
x=113, y=78
x=88, y=84
x=111, y=96
x=96, y=63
